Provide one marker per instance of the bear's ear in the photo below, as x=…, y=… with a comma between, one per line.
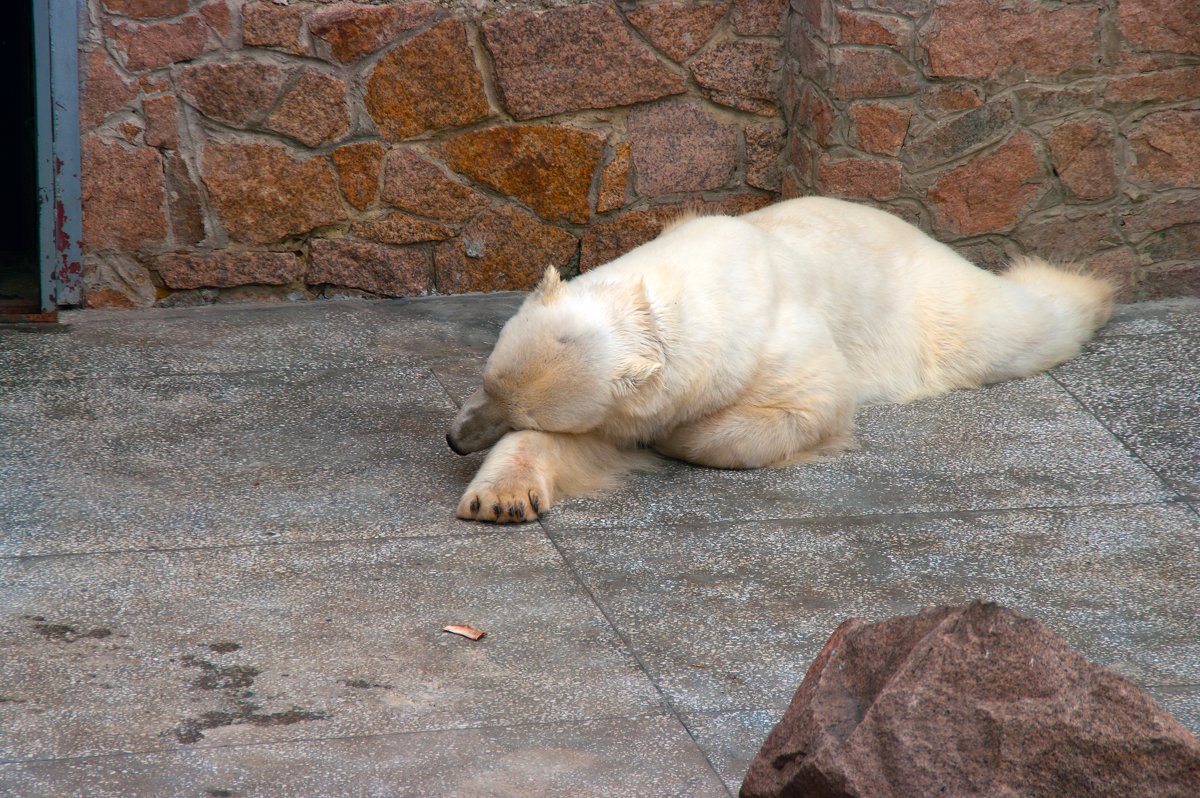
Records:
x=634, y=373
x=550, y=287
x=638, y=330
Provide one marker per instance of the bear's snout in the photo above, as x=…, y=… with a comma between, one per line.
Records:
x=478, y=425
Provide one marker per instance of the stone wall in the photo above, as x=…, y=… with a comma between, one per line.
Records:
x=267, y=149
x=263, y=149
x=1070, y=130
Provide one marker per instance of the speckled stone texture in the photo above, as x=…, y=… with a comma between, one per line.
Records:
x=227, y=549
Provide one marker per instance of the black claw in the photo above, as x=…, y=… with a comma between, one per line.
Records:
x=534, y=503
x=475, y=505
x=497, y=509
x=520, y=513
x=511, y=510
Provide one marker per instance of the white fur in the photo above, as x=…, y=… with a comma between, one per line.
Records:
x=749, y=342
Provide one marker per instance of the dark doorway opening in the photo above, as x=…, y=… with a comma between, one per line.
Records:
x=20, y=275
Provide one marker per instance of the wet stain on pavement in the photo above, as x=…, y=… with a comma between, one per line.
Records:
x=364, y=684
x=236, y=681
x=245, y=712
x=65, y=632
x=221, y=677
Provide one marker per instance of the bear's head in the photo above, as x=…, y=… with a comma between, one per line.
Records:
x=561, y=363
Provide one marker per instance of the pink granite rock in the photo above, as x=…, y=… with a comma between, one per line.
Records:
x=162, y=121
x=1083, y=155
x=419, y=186
x=572, y=58
x=988, y=192
x=400, y=228
x=969, y=701
x=123, y=196
x=102, y=91
x=146, y=9
x=354, y=30
x=116, y=281
x=677, y=27
x=182, y=270
x=548, y=167
x=358, y=166
x=313, y=111
x=609, y=239
x=678, y=146
x=502, y=249
x=269, y=24
x=614, y=180
x=237, y=93
x=1166, y=149
x=262, y=193
x=740, y=74
x=760, y=17
x=370, y=267
x=427, y=83
x=984, y=39
x=160, y=44
x=1169, y=25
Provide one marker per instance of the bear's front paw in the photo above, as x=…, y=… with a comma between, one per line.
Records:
x=502, y=503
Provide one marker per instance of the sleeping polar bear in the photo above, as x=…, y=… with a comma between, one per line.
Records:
x=748, y=342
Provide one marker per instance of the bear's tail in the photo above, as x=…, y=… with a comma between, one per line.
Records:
x=1072, y=303
x=1074, y=290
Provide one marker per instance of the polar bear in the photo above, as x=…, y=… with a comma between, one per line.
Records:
x=748, y=342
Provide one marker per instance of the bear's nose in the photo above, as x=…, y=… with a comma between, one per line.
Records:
x=453, y=446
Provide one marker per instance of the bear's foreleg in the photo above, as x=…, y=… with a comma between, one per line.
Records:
x=528, y=470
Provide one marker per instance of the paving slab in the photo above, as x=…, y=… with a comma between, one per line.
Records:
x=242, y=645
x=227, y=546
x=649, y=756
x=1147, y=391
x=729, y=616
x=731, y=739
x=228, y=338
x=214, y=459
x=1179, y=314
x=1182, y=701
x=1024, y=443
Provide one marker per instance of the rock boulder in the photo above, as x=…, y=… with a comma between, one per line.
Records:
x=969, y=701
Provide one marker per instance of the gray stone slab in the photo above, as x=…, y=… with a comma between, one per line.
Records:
x=317, y=668
x=214, y=459
x=731, y=740
x=1182, y=701
x=1024, y=443
x=446, y=327
x=230, y=646
x=617, y=757
x=460, y=376
x=1147, y=391
x=729, y=616
x=1181, y=314
x=225, y=338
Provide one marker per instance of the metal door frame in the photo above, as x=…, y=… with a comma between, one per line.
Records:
x=56, y=66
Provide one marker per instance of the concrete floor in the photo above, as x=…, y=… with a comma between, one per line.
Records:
x=227, y=547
